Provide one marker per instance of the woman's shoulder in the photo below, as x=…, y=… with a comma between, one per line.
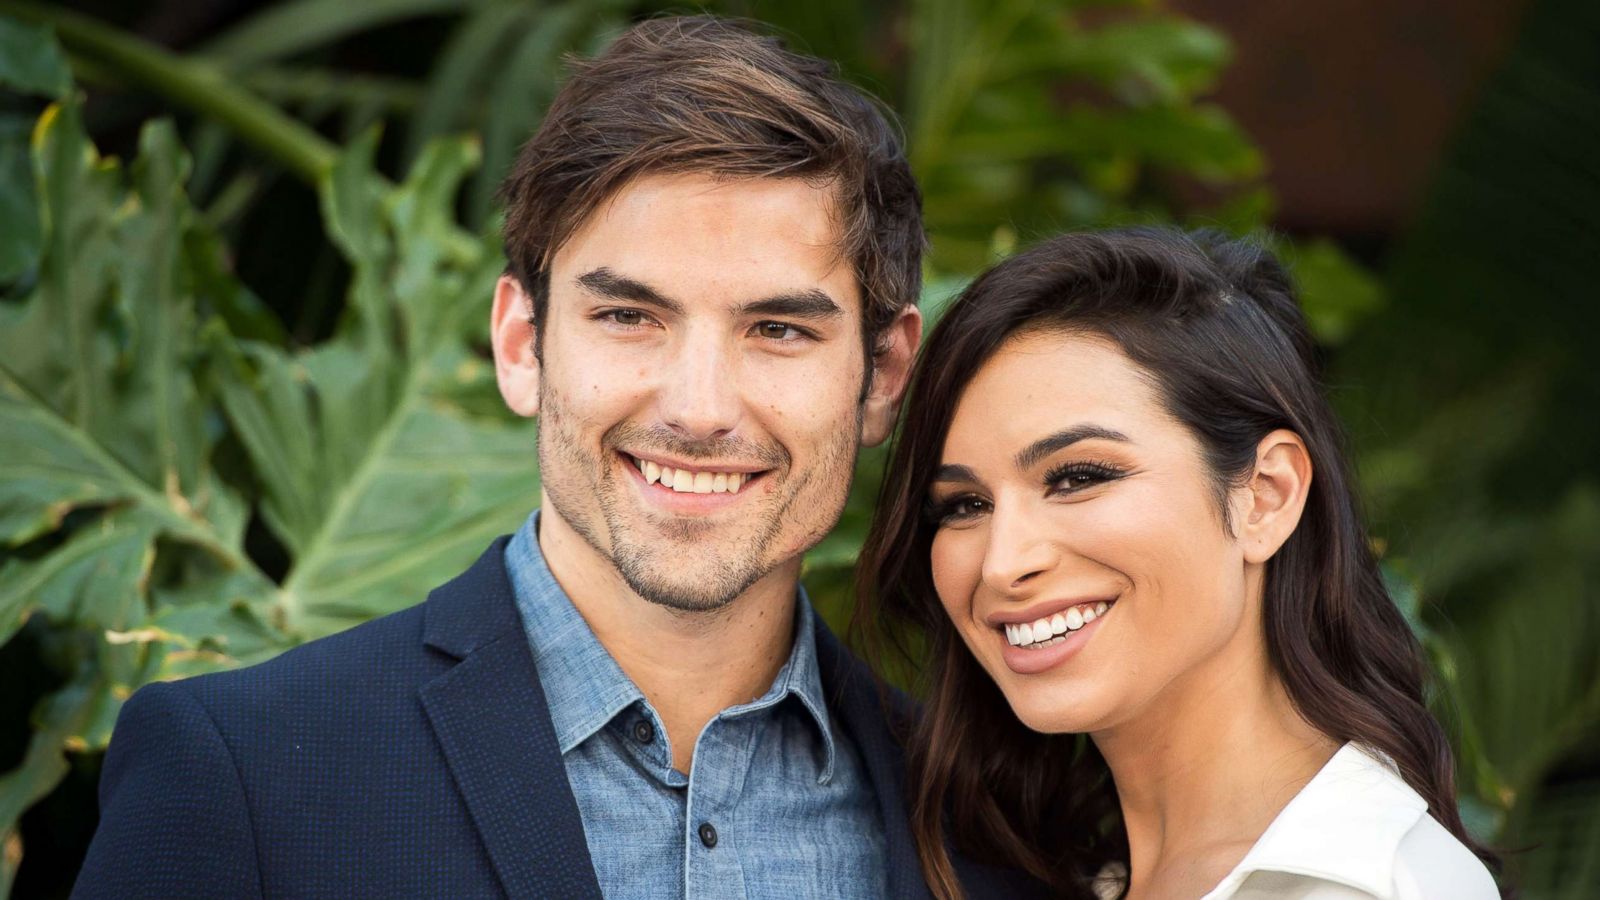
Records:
x=1358, y=827
x=1431, y=862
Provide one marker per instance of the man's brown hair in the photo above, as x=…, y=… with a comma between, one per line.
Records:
x=710, y=95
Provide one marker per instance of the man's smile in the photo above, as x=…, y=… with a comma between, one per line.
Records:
x=683, y=478
x=674, y=488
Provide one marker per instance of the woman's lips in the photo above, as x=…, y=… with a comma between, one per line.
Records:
x=1036, y=656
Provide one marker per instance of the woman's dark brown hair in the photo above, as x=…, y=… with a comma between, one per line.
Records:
x=1215, y=324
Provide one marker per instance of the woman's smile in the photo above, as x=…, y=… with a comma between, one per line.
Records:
x=1046, y=642
x=1079, y=544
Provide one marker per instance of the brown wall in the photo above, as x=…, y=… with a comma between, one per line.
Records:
x=1353, y=100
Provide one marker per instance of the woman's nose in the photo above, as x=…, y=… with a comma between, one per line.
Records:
x=1019, y=550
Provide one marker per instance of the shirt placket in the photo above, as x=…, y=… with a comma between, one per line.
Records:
x=712, y=867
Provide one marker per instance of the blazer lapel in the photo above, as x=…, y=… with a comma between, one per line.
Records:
x=877, y=719
x=862, y=708
x=491, y=719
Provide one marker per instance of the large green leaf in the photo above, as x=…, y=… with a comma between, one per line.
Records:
x=98, y=575
x=378, y=471
x=96, y=407
x=31, y=61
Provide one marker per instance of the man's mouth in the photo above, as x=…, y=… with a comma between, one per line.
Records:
x=685, y=480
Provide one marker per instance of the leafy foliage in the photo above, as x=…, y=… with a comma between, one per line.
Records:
x=195, y=477
x=1480, y=446
x=138, y=434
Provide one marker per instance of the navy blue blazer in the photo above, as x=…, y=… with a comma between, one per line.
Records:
x=411, y=756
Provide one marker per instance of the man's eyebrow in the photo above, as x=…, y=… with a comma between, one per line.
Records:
x=952, y=472
x=1038, y=450
x=607, y=283
x=811, y=304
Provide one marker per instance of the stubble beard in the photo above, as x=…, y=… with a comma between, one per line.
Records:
x=711, y=581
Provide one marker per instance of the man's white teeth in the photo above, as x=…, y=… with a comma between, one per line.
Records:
x=1052, y=629
x=686, y=482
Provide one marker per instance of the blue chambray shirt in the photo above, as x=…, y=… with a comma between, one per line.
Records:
x=782, y=789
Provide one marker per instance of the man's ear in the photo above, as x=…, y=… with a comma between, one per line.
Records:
x=891, y=369
x=1277, y=495
x=516, y=366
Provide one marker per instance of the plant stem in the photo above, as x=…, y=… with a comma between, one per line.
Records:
x=197, y=85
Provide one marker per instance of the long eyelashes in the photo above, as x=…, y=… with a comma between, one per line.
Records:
x=1076, y=476
x=1064, y=479
x=961, y=507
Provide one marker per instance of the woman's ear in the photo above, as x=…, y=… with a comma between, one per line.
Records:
x=891, y=370
x=516, y=364
x=1277, y=496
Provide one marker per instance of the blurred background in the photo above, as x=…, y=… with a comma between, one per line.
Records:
x=247, y=248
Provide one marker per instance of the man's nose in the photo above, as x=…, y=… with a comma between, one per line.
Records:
x=1020, y=548
x=700, y=397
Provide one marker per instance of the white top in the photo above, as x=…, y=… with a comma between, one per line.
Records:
x=1356, y=830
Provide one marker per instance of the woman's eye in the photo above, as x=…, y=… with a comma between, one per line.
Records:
x=959, y=509
x=1081, y=475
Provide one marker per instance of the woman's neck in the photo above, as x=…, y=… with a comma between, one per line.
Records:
x=1203, y=771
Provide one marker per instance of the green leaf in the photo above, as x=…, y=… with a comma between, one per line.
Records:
x=31, y=61
x=292, y=28
x=97, y=576
x=54, y=343
x=97, y=405
x=193, y=83
x=378, y=469
x=470, y=59
x=1162, y=58
x=48, y=468
x=58, y=719
x=1200, y=140
x=1336, y=293
x=20, y=232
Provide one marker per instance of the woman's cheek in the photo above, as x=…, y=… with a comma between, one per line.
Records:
x=956, y=572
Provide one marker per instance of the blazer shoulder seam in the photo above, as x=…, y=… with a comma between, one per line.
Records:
x=238, y=777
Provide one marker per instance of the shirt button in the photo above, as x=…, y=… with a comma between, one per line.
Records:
x=643, y=732
x=708, y=835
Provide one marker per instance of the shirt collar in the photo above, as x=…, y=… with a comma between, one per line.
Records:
x=584, y=686
x=1344, y=826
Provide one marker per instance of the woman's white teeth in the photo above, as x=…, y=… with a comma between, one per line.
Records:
x=686, y=482
x=1052, y=629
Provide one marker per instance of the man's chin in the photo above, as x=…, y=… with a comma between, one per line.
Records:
x=685, y=580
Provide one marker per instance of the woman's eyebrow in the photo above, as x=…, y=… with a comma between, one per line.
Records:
x=1030, y=455
x=952, y=472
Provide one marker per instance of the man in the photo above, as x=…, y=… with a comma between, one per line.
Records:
x=714, y=250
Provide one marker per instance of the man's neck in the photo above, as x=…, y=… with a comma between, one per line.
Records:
x=690, y=666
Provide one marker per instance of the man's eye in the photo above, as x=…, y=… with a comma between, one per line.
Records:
x=777, y=331
x=626, y=316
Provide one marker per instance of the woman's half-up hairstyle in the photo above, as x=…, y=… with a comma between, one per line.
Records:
x=1215, y=325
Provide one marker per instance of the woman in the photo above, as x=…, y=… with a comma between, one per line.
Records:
x=1119, y=509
